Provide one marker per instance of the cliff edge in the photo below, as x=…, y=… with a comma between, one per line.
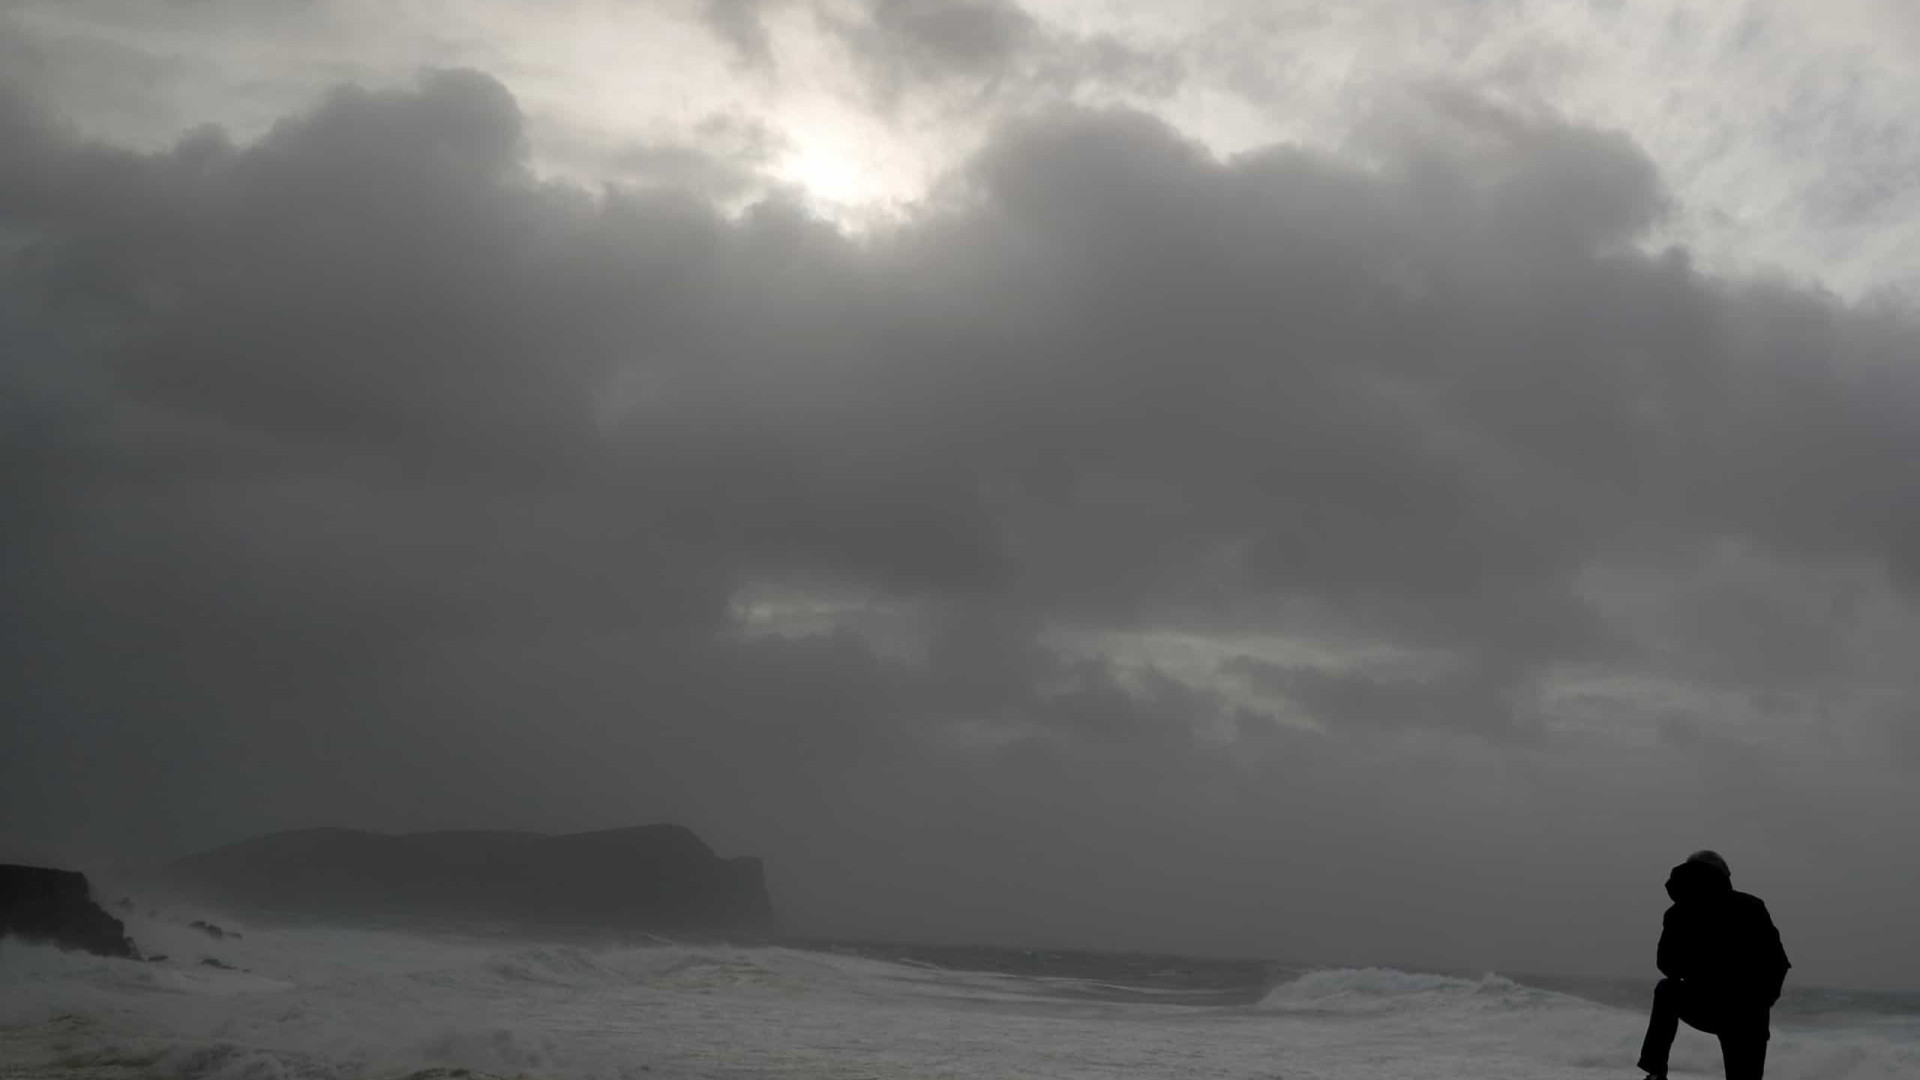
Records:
x=38, y=903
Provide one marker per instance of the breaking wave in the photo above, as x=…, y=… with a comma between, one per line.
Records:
x=1375, y=991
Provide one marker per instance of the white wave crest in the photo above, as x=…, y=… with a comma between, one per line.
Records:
x=1372, y=991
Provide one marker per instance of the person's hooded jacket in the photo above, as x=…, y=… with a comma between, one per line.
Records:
x=1720, y=940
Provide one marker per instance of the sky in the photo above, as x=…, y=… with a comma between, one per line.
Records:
x=1352, y=483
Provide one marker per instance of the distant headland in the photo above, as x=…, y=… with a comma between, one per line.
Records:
x=651, y=877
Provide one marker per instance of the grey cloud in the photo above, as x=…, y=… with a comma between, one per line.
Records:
x=935, y=39
x=995, y=51
x=243, y=275
x=738, y=23
x=1106, y=61
x=1474, y=699
x=724, y=158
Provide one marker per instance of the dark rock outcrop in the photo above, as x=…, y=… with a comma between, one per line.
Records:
x=38, y=903
x=653, y=877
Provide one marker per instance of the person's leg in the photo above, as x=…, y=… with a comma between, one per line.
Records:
x=1744, y=1054
x=1662, y=1026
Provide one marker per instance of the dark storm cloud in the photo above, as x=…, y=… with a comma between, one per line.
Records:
x=359, y=456
x=1279, y=366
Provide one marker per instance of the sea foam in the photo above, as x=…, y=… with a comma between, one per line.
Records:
x=346, y=1004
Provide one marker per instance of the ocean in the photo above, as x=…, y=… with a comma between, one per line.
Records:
x=344, y=1004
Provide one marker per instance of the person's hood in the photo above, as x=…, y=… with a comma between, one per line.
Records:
x=1692, y=881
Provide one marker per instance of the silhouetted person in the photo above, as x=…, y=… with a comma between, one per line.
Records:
x=1723, y=965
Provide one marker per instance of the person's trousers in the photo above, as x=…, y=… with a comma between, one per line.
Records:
x=1742, y=1031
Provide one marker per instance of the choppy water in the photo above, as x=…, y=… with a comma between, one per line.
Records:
x=339, y=1004
x=1224, y=980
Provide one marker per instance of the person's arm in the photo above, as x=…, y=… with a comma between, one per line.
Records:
x=1773, y=955
x=1669, y=957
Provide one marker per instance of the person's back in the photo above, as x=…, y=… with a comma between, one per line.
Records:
x=1724, y=968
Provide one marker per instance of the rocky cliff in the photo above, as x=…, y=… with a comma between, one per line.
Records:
x=655, y=877
x=56, y=906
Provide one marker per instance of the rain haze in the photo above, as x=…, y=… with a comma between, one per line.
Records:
x=1358, y=484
